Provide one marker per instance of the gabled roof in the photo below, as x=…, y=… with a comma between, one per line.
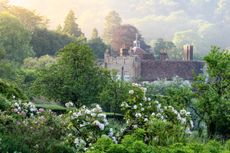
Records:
x=153, y=70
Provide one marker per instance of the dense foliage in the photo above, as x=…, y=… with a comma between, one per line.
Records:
x=75, y=77
x=16, y=41
x=66, y=103
x=48, y=42
x=213, y=93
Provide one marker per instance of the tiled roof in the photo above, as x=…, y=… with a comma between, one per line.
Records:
x=153, y=70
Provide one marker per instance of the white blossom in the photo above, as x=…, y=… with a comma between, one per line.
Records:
x=131, y=92
x=110, y=132
x=79, y=143
x=138, y=115
x=93, y=114
x=183, y=112
x=100, y=125
x=188, y=131
x=135, y=107
x=183, y=120
x=191, y=124
x=87, y=111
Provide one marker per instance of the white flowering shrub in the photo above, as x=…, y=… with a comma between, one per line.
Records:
x=25, y=109
x=139, y=109
x=86, y=126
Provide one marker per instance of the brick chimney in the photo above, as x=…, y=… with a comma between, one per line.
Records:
x=188, y=52
x=124, y=52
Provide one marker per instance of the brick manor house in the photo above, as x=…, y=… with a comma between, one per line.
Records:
x=135, y=64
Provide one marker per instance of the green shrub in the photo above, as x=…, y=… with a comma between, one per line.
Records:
x=227, y=145
x=213, y=147
x=180, y=148
x=60, y=148
x=4, y=103
x=10, y=91
x=117, y=148
x=164, y=133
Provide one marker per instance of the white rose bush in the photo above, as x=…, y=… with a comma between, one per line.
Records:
x=140, y=110
x=86, y=126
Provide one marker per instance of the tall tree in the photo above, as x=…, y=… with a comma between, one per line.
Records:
x=97, y=45
x=213, y=93
x=160, y=45
x=124, y=35
x=112, y=21
x=70, y=26
x=48, y=42
x=75, y=77
x=15, y=38
x=94, y=34
x=28, y=18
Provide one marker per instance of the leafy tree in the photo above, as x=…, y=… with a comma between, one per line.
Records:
x=39, y=63
x=70, y=26
x=74, y=78
x=48, y=42
x=16, y=40
x=192, y=37
x=113, y=94
x=94, y=34
x=97, y=45
x=10, y=91
x=112, y=20
x=166, y=46
x=8, y=69
x=59, y=28
x=28, y=18
x=213, y=93
x=124, y=35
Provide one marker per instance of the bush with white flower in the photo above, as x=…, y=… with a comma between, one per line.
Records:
x=24, y=109
x=139, y=109
x=86, y=126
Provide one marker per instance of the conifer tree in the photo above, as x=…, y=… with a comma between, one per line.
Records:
x=70, y=26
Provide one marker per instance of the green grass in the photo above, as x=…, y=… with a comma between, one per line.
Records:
x=54, y=107
x=57, y=107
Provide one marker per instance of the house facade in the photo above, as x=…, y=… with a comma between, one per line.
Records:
x=136, y=65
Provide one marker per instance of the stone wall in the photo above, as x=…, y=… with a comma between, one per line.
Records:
x=131, y=66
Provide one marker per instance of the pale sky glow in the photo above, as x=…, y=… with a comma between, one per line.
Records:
x=90, y=13
x=154, y=18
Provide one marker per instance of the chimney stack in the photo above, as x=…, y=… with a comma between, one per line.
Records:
x=188, y=52
x=124, y=52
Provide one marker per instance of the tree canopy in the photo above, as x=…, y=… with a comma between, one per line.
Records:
x=124, y=35
x=45, y=41
x=112, y=20
x=16, y=40
x=74, y=78
x=213, y=93
x=70, y=26
x=97, y=45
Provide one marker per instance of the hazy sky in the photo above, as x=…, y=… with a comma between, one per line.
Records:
x=154, y=18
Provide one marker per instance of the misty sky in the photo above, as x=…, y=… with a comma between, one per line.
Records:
x=168, y=19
